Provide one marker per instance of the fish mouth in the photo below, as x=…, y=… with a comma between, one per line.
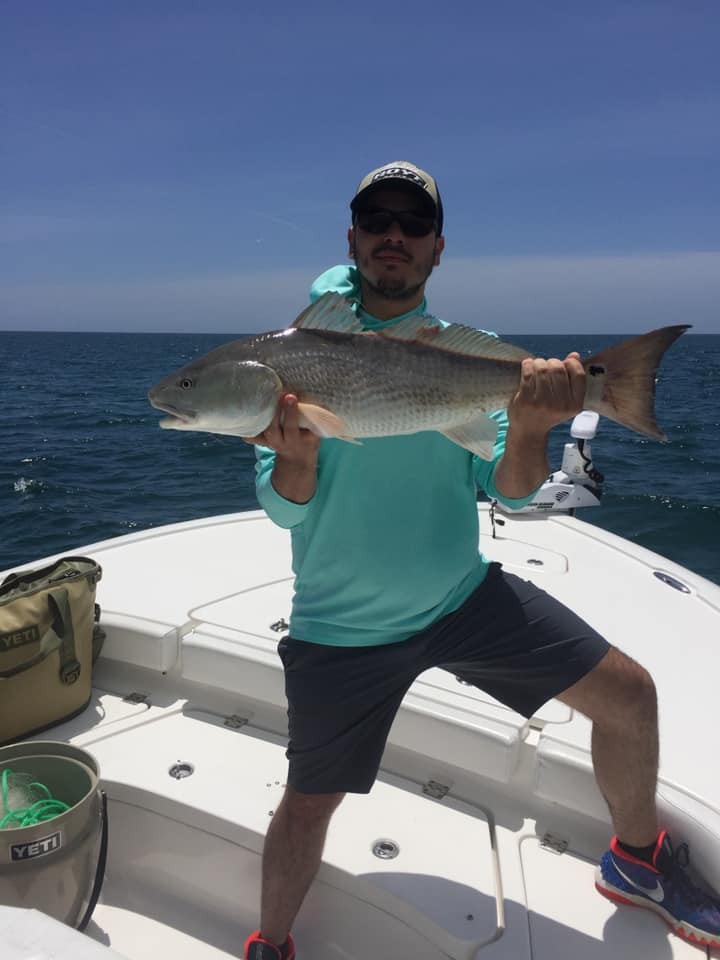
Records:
x=184, y=416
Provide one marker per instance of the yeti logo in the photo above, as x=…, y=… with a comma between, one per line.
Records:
x=399, y=173
x=18, y=638
x=38, y=848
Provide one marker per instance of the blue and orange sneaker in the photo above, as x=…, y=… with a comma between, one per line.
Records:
x=258, y=948
x=662, y=886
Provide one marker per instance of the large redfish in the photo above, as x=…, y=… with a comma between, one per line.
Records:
x=413, y=375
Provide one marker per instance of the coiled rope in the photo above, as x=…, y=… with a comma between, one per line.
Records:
x=43, y=809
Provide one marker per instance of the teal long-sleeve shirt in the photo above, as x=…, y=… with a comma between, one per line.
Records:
x=389, y=541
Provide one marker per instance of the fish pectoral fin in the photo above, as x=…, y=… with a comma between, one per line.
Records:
x=331, y=312
x=323, y=422
x=478, y=436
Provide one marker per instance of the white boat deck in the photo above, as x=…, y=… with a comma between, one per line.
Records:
x=193, y=614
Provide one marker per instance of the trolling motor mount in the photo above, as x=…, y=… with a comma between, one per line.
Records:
x=577, y=483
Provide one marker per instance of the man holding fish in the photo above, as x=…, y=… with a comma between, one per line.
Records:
x=389, y=580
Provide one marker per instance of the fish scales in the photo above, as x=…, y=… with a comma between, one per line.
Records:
x=413, y=375
x=380, y=386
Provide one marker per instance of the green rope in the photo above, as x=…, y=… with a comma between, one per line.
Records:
x=38, y=812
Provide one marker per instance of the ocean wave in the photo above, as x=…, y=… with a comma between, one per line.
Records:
x=24, y=486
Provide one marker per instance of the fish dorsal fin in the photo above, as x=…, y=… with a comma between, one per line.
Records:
x=331, y=312
x=454, y=338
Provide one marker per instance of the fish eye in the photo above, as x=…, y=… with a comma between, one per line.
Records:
x=186, y=383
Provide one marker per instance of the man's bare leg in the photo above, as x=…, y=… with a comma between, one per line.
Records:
x=291, y=858
x=618, y=695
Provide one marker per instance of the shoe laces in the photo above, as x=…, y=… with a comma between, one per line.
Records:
x=676, y=866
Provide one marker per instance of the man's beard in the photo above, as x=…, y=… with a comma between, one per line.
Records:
x=392, y=289
x=397, y=288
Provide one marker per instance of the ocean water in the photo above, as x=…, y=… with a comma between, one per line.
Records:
x=82, y=458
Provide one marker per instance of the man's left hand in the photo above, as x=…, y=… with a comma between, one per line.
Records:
x=550, y=392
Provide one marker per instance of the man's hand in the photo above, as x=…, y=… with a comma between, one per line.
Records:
x=296, y=449
x=550, y=392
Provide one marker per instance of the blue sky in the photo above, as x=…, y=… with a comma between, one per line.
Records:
x=187, y=166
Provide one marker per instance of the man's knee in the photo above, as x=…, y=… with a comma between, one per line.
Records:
x=629, y=684
x=310, y=807
x=618, y=690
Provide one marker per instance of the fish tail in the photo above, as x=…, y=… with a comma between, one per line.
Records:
x=621, y=380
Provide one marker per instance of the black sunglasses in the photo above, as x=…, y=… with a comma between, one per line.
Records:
x=379, y=220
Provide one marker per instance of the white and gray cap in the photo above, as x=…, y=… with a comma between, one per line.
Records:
x=406, y=175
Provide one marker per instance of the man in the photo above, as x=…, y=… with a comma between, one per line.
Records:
x=389, y=583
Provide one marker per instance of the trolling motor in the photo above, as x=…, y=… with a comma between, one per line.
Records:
x=577, y=483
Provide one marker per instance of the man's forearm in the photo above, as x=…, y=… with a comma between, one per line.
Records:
x=524, y=465
x=294, y=481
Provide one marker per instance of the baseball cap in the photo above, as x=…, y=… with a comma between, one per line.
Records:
x=405, y=174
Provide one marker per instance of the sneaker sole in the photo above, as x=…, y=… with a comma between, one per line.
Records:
x=685, y=930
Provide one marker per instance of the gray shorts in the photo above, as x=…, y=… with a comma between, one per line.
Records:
x=509, y=638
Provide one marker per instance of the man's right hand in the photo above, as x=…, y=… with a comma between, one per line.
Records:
x=294, y=475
